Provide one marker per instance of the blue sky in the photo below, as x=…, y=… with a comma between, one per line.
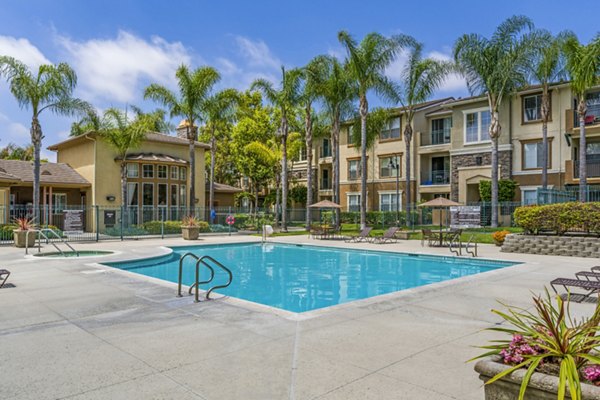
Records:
x=118, y=47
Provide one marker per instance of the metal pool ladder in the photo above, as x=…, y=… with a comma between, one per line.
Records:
x=51, y=232
x=204, y=260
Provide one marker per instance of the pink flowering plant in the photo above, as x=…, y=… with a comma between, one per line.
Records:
x=545, y=336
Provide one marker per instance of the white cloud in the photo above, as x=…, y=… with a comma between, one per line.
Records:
x=227, y=67
x=257, y=53
x=13, y=131
x=22, y=50
x=115, y=69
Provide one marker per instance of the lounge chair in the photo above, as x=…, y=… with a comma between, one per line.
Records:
x=388, y=236
x=428, y=235
x=4, y=273
x=363, y=236
x=591, y=286
x=588, y=274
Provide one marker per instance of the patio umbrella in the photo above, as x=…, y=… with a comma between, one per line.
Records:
x=325, y=204
x=440, y=202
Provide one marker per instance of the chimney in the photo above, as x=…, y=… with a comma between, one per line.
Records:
x=182, y=130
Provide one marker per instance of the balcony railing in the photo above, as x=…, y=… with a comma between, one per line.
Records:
x=592, y=116
x=439, y=136
x=592, y=168
x=436, y=177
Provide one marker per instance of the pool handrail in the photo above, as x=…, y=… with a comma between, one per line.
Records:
x=41, y=233
x=202, y=260
x=224, y=268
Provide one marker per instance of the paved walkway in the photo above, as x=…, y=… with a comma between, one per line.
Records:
x=74, y=330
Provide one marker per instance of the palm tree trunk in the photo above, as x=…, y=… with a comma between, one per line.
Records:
x=277, y=200
x=407, y=139
x=213, y=153
x=309, y=178
x=284, y=176
x=582, y=111
x=494, y=181
x=364, y=110
x=335, y=164
x=36, y=139
x=124, y=213
x=192, y=199
x=545, y=112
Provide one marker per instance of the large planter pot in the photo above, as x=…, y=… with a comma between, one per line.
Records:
x=190, y=232
x=22, y=239
x=541, y=386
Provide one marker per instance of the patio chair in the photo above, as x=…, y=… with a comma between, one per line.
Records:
x=315, y=231
x=452, y=236
x=588, y=274
x=4, y=273
x=591, y=286
x=388, y=236
x=428, y=235
x=363, y=236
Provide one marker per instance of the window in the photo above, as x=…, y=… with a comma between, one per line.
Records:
x=59, y=202
x=440, y=130
x=182, y=195
x=326, y=148
x=162, y=194
x=174, y=172
x=389, y=166
x=174, y=195
x=148, y=171
x=325, y=182
x=532, y=154
x=148, y=194
x=391, y=130
x=162, y=171
x=477, y=126
x=182, y=173
x=354, y=202
x=301, y=155
x=132, y=194
x=350, y=135
x=388, y=201
x=529, y=196
x=532, y=108
x=133, y=170
x=353, y=169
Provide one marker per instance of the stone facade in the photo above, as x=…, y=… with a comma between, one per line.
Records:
x=471, y=160
x=572, y=246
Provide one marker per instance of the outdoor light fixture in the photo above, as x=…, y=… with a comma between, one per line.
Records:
x=110, y=198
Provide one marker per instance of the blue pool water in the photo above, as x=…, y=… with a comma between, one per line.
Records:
x=302, y=278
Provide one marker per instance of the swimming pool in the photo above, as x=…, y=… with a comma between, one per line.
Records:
x=301, y=278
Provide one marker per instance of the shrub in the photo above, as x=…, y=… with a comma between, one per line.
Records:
x=375, y=218
x=499, y=236
x=241, y=220
x=203, y=226
x=221, y=228
x=559, y=218
x=506, y=190
x=170, y=227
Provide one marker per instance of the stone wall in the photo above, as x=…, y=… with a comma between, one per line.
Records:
x=572, y=246
x=470, y=160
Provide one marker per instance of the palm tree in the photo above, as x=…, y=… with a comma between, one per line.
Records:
x=286, y=98
x=217, y=110
x=333, y=84
x=496, y=67
x=49, y=88
x=583, y=66
x=421, y=77
x=124, y=134
x=367, y=62
x=194, y=87
x=548, y=66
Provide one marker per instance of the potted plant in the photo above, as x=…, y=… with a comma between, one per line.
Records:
x=499, y=237
x=548, y=355
x=21, y=236
x=190, y=227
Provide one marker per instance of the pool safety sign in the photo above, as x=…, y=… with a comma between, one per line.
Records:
x=465, y=217
x=73, y=221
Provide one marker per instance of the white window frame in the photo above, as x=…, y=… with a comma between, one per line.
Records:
x=528, y=189
x=183, y=173
x=130, y=188
x=351, y=133
x=153, y=171
x=358, y=169
x=390, y=193
x=389, y=128
x=538, y=103
x=153, y=194
x=382, y=164
x=352, y=194
x=477, y=111
x=131, y=170
x=158, y=168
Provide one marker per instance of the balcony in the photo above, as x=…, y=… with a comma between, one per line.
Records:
x=436, y=177
x=436, y=137
x=592, y=167
x=325, y=185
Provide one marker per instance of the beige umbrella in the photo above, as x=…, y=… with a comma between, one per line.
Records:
x=440, y=202
x=325, y=204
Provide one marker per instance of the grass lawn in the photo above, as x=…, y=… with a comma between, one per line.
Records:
x=480, y=235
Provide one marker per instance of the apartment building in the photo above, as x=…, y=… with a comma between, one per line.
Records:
x=451, y=151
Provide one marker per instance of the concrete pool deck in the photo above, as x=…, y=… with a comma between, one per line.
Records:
x=72, y=329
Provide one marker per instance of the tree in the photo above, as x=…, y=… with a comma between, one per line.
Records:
x=49, y=88
x=14, y=152
x=496, y=67
x=548, y=66
x=194, y=88
x=367, y=62
x=332, y=83
x=124, y=134
x=285, y=98
x=583, y=67
x=217, y=111
x=420, y=78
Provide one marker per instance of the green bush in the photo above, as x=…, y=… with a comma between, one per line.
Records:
x=376, y=217
x=221, y=228
x=154, y=227
x=559, y=218
x=506, y=190
x=204, y=227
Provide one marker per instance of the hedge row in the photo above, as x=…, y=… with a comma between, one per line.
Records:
x=559, y=218
x=376, y=217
